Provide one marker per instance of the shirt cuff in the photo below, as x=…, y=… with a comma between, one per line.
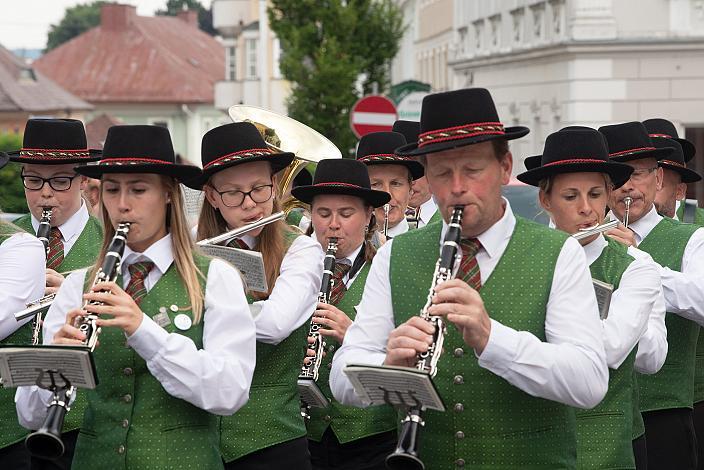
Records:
x=148, y=339
x=500, y=351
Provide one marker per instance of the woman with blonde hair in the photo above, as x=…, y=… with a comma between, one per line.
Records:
x=177, y=344
x=239, y=182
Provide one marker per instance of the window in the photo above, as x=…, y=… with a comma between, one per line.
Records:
x=538, y=18
x=517, y=16
x=478, y=34
x=231, y=63
x=495, y=23
x=252, y=58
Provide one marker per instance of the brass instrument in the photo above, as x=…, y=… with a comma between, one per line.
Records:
x=46, y=442
x=588, y=232
x=310, y=393
x=284, y=134
x=43, y=232
x=226, y=237
x=628, y=200
x=406, y=454
x=387, y=208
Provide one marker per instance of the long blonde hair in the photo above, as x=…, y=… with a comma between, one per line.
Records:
x=272, y=243
x=181, y=243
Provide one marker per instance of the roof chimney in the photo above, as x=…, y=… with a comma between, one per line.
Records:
x=189, y=16
x=117, y=17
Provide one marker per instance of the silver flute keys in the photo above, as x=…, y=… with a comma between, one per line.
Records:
x=588, y=232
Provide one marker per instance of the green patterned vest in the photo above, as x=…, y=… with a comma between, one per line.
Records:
x=347, y=422
x=604, y=433
x=273, y=413
x=489, y=424
x=699, y=362
x=10, y=430
x=673, y=385
x=131, y=421
x=83, y=253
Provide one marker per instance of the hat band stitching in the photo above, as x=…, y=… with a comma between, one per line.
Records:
x=575, y=160
x=132, y=161
x=461, y=132
x=630, y=151
x=35, y=153
x=237, y=156
x=671, y=162
x=336, y=183
x=667, y=136
x=384, y=156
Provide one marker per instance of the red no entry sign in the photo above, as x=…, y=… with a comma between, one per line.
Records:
x=372, y=113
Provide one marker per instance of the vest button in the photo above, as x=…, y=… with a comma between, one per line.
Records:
x=329, y=365
x=127, y=371
x=459, y=407
x=121, y=449
x=458, y=352
x=459, y=435
x=459, y=462
x=327, y=418
x=125, y=423
x=458, y=380
x=127, y=398
x=331, y=348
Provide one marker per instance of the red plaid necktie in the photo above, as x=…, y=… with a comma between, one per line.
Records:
x=238, y=243
x=338, y=287
x=469, y=268
x=56, y=249
x=138, y=273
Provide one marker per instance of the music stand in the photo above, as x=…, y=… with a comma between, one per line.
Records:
x=50, y=367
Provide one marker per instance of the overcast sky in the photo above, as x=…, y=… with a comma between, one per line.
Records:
x=25, y=23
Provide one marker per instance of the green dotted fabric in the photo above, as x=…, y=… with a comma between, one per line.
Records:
x=131, y=422
x=273, y=413
x=604, y=433
x=347, y=422
x=489, y=424
x=673, y=385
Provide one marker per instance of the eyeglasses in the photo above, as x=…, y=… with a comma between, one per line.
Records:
x=235, y=198
x=57, y=183
x=641, y=173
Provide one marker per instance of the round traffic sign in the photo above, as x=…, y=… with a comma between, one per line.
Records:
x=372, y=113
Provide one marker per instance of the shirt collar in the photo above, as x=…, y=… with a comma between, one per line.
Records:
x=401, y=227
x=73, y=226
x=678, y=203
x=593, y=249
x=427, y=210
x=160, y=253
x=352, y=256
x=645, y=224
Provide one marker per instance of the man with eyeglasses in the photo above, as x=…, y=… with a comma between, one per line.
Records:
x=50, y=150
x=666, y=398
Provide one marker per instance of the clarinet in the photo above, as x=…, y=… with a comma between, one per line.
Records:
x=43, y=235
x=46, y=442
x=310, y=393
x=405, y=456
x=45, y=228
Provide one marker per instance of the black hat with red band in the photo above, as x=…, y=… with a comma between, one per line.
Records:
x=630, y=141
x=54, y=142
x=378, y=148
x=663, y=129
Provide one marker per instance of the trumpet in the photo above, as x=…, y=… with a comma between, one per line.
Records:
x=406, y=454
x=310, y=393
x=588, y=232
x=226, y=237
x=46, y=442
x=628, y=200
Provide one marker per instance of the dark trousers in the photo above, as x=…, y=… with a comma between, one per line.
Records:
x=672, y=443
x=15, y=457
x=63, y=462
x=368, y=453
x=640, y=453
x=699, y=429
x=289, y=454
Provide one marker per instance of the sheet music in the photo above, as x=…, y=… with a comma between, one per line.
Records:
x=603, y=292
x=249, y=263
x=396, y=386
x=26, y=365
x=193, y=200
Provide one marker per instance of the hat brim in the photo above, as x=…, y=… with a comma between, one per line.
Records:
x=412, y=150
x=414, y=167
x=688, y=149
x=618, y=172
x=4, y=159
x=687, y=175
x=278, y=161
x=94, y=156
x=182, y=173
x=656, y=153
x=371, y=196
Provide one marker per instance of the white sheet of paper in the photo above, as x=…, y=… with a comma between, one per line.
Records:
x=249, y=263
x=23, y=365
x=193, y=201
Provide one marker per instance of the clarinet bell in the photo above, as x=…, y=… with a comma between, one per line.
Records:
x=46, y=443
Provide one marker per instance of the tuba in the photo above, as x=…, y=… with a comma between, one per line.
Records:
x=284, y=134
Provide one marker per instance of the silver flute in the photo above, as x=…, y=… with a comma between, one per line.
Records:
x=224, y=238
x=588, y=232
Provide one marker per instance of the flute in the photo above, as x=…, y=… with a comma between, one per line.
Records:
x=227, y=236
x=588, y=232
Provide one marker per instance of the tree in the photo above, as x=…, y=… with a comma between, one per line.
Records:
x=327, y=45
x=77, y=20
x=205, y=16
x=11, y=189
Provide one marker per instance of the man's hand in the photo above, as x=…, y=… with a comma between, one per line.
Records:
x=407, y=341
x=623, y=235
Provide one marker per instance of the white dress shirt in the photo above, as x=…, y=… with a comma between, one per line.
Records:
x=684, y=289
x=215, y=378
x=636, y=304
x=427, y=211
x=350, y=259
x=396, y=230
x=569, y=368
x=22, y=278
x=72, y=228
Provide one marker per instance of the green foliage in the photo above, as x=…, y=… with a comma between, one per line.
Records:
x=326, y=46
x=205, y=16
x=11, y=189
x=77, y=20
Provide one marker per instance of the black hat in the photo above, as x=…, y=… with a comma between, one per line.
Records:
x=139, y=149
x=534, y=161
x=630, y=141
x=458, y=118
x=378, y=148
x=409, y=129
x=676, y=161
x=573, y=151
x=233, y=144
x=54, y=142
x=662, y=128
x=341, y=176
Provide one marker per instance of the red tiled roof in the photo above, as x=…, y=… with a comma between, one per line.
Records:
x=138, y=59
x=97, y=129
